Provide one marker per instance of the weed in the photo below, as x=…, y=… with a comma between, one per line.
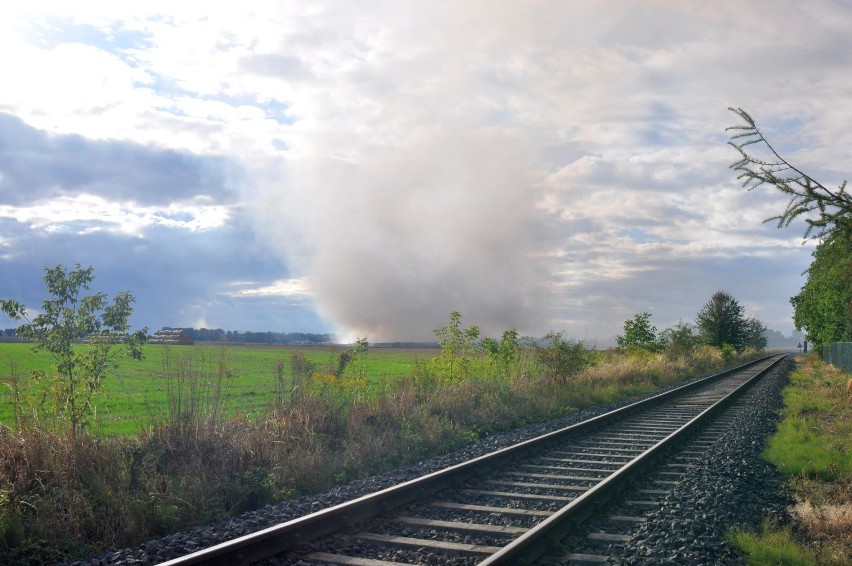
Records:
x=773, y=546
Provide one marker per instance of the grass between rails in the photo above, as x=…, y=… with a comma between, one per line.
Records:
x=812, y=445
x=203, y=461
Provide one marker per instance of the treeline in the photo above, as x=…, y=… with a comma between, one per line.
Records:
x=235, y=336
x=232, y=336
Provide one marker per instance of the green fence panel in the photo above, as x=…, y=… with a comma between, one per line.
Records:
x=839, y=355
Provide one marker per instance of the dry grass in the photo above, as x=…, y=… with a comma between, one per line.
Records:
x=823, y=518
x=825, y=522
x=51, y=483
x=642, y=368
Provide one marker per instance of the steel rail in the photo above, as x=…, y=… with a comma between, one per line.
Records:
x=528, y=547
x=273, y=540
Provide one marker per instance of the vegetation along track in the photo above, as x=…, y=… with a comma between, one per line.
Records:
x=505, y=507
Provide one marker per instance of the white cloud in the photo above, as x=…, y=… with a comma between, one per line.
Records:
x=294, y=287
x=85, y=214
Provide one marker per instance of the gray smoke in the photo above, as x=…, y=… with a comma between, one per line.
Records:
x=393, y=242
x=526, y=168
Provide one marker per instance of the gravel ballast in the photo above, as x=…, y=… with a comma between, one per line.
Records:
x=732, y=486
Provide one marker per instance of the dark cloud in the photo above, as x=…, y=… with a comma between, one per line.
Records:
x=35, y=165
x=179, y=278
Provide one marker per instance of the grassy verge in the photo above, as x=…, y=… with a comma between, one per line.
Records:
x=813, y=446
x=203, y=462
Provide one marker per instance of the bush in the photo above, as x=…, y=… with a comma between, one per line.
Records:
x=679, y=341
x=562, y=359
x=639, y=333
x=728, y=352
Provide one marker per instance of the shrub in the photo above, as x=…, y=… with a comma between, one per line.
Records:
x=679, y=341
x=562, y=359
x=728, y=352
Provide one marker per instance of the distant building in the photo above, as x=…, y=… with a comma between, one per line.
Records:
x=171, y=336
x=106, y=338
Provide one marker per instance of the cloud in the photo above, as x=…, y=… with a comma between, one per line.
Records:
x=637, y=103
x=35, y=165
x=178, y=277
x=278, y=66
x=533, y=165
x=86, y=214
x=164, y=224
x=282, y=288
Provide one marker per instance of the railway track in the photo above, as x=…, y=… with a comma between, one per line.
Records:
x=506, y=507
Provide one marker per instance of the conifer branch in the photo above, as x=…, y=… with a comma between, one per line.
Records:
x=833, y=207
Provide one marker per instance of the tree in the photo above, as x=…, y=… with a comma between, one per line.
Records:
x=457, y=346
x=639, y=333
x=504, y=354
x=357, y=354
x=833, y=207
x=824, y=305
x=823, y=308
x=720, y=321
x=679, y=341
x=755, y=334
x=68, y=318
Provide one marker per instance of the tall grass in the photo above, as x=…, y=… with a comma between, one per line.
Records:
x=320, y=429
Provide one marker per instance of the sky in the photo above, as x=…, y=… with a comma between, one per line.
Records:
x=367, y=167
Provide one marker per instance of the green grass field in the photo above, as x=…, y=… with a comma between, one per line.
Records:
x=137, y=394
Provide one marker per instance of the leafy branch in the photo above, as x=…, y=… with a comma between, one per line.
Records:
x=833, y=206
